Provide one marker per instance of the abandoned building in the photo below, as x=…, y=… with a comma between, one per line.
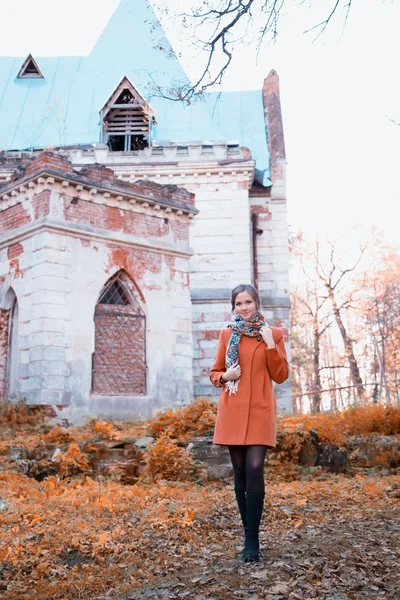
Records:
x=126, y=218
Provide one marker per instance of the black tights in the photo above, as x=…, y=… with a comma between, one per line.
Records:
x=248, y=467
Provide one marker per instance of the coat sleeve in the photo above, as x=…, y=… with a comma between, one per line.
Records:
x=278, y=365
x=219, y=366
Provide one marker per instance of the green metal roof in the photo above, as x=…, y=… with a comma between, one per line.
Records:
x=62, y=109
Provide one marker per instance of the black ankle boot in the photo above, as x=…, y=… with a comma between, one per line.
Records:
x=240, y=494
x=254, y=508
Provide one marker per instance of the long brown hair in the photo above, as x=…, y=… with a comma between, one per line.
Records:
x=245, y=287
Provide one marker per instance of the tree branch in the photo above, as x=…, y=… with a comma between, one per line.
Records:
x=225, y=17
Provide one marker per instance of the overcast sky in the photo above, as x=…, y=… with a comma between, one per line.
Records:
x=338, y=95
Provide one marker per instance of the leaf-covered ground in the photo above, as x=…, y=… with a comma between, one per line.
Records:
x=331, y=537
x=81, y=535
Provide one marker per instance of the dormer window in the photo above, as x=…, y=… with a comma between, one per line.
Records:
x=30, y=69
x=126, y=120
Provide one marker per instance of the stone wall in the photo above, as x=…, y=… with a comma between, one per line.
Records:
x=221, y=235
x=96, y=230
x=4, y=318
x=73, y=239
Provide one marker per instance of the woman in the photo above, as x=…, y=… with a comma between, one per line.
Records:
x=250, y=356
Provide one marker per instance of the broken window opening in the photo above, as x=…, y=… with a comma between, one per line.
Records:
x=127, y=143
x=126, y=97
x=127, y=120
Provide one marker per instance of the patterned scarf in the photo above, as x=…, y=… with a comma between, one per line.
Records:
x=251, y=328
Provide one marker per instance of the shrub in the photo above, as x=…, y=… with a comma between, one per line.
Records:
x=166, y=460
x=338, y=426
x=71, y=462
x=58, y=435
x=192, y=420
x=15, y=413
x=105, y=430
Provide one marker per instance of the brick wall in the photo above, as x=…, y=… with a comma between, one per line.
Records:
x=14, y=251
x=117, y=219
x=41, y=204
x=13, y=217
x=98, y=173
x=119, y=360
x=4, y=317
x=171, y=193
x=49, y=160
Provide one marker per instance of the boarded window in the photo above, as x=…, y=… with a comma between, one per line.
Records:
x=119, y=360
x=126, y=119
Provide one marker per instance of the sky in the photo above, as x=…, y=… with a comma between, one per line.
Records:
x=340, y=95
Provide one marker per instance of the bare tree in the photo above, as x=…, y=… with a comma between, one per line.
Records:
x=309, y=298
x=345, y=322
x=380, y=311
x=218, y=25
x=331, y=276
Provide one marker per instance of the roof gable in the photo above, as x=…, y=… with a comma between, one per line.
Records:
x=29, y=69
x=125, y=93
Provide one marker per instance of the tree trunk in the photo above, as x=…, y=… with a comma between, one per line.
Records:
x=348, y=347
x=316, y=393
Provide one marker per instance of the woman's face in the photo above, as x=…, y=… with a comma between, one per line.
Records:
x=245, y=305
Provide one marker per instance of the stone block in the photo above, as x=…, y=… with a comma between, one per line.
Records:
x=41, y=240
x=33, y=368
x=35, y=353
x=48, y=339
x=50, y=311
x=24, y=357
x=216, y=458
x=184, y=325
x=205, y=362
x=332, y=457
x=59, y=298
x=45, y=283
x=23, y=371
x=53, y=382
x=144, y=443
x=47, y=269
x=182, y=350
x=278, y=217
x=58, y=257
x=48, y=397
x=49, y=240
x=183, y=362
x=206, y=389
x=308, y=455
x=183, y=338
x=54, y=367
x=375, y=451
x=52, y=325
x=50, y=353
x=31, y=383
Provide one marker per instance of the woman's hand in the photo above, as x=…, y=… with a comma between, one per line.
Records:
x=268, y=338
x=232, y=373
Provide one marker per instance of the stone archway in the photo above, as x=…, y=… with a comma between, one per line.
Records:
x=119, y=359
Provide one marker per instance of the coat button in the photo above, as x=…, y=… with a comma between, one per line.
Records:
x=258, y=339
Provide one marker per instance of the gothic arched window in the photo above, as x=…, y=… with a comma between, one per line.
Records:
x=119, y=360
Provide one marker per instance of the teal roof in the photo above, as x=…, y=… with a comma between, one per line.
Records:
x=62, y=109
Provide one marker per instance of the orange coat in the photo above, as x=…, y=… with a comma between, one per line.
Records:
x=249, y=416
